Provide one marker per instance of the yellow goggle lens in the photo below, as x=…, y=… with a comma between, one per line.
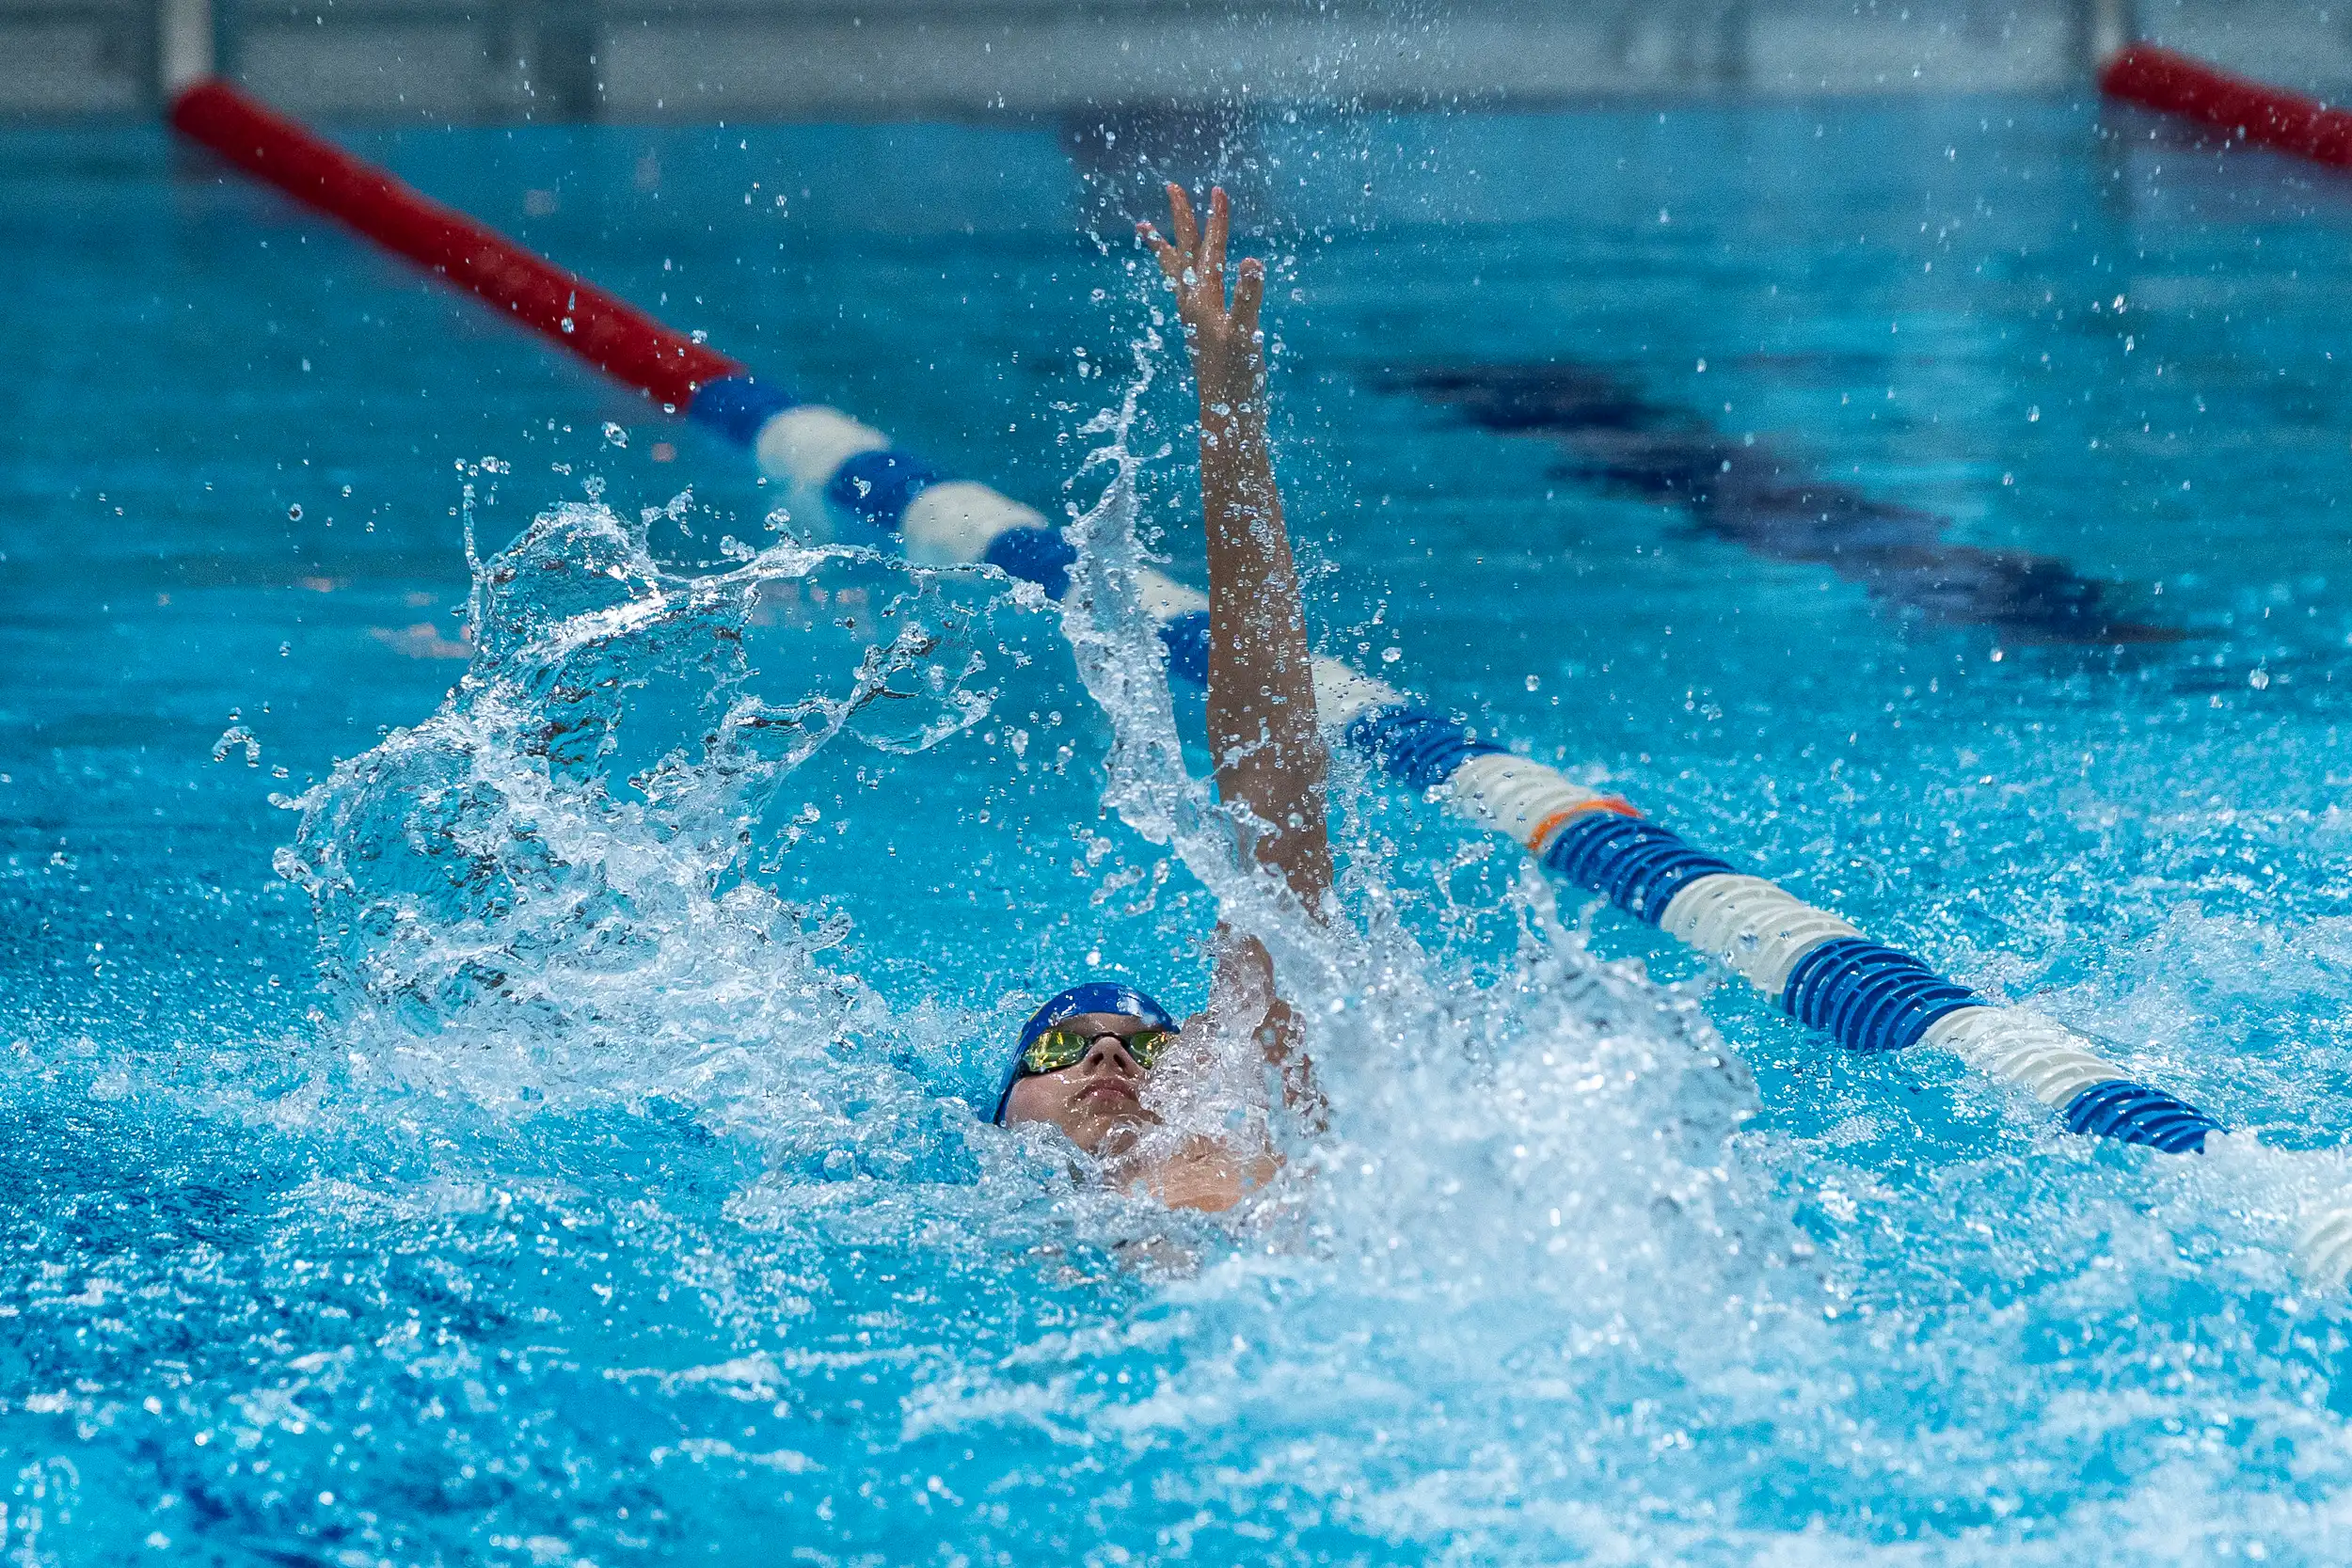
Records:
x=1057, y=1048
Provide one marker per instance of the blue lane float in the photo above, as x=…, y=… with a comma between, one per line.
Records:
x=1868, y=996
x=1816, y=966
x=1635, y=863
x=2139, y=1114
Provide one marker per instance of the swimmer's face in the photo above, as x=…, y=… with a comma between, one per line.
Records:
x=1096, y=1098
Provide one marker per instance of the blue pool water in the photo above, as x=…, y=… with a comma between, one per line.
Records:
x=528, y=1120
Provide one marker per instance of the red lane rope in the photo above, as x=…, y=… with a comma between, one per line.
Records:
x=2176, y=84
x=609, y=333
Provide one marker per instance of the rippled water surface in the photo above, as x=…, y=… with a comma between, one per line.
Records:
x=490, y=1053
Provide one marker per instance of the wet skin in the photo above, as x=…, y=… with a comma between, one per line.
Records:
x=1098, y=1099
x=1098, y=1103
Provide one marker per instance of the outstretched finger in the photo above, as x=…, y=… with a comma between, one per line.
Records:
x=1171, y=264
x=1212, y=259
x=1248, y=294
x=1180, y=214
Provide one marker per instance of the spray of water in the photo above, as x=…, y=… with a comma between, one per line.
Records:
x=1527, y=1292
x=547, y=899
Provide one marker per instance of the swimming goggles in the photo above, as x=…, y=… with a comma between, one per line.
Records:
x=1057, y=1048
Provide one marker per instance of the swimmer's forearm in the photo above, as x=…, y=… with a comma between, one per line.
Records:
x=1261, y=704
x=1270, y=754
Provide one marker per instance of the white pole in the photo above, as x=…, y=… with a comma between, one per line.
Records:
x=2109, y=28
x=184, y=37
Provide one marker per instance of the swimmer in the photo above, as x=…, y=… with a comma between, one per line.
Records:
x=1083, y=1059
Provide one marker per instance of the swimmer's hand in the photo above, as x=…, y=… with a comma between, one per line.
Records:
x=1228, y=350
x=1206, y=1175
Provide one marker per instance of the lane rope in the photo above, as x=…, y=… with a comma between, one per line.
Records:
x=1813, y=964
x=2238, y=107
x=615, y=337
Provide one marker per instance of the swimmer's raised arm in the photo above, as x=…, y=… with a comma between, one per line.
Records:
x=1263, y=730
x=1083, y=1055
x=1270, y=756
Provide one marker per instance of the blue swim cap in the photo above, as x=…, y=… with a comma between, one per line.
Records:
x=1094, y=997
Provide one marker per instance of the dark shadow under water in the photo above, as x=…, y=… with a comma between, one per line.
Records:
x=1764, y=498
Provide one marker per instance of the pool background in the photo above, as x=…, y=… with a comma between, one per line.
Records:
x=457, y=1326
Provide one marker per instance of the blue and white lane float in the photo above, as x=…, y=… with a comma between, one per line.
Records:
x=1816, y=966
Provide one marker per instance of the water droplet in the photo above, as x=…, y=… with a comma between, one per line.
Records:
x=1535, y=681
x=2259, y=680
x=293, y=513
x=235, y=737
x=1389, y=656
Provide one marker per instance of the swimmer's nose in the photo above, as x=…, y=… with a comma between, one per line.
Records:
x=1109, y=1052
